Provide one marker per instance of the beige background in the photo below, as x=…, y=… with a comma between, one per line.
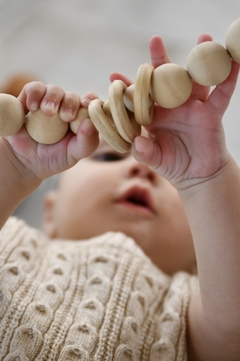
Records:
x=76, y=44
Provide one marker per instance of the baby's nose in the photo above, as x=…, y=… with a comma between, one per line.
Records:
x=136, y=169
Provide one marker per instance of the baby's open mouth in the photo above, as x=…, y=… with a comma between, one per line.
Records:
x=138, y=197
x=138, y=200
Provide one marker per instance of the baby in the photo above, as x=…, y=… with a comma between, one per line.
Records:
x=113, y=276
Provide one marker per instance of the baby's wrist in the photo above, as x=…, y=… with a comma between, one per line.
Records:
x=226, y=179
x=16, y=179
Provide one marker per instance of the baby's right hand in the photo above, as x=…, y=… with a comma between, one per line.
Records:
x=39, y=161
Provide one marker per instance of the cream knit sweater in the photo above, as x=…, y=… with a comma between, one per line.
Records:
x=100, y=299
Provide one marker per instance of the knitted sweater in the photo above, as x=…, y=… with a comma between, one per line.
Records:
x=100, y=299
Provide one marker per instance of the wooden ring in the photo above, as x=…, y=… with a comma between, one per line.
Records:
x=141, y=94
x=127, y=126
x=105, y=125
x=128, y=98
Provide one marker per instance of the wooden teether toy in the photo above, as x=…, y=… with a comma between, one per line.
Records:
x=171, y=85
x=82, y=114
x=12, y=115
x=209, y=63
x=126, y=125
x=233, y=40
x=46, y=129
x=141, y=94
x=120, y=118
x=101, y=116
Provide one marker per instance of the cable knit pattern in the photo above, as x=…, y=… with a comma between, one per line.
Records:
x=100, y=299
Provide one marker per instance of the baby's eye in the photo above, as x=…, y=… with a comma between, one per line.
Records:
x=108, y=157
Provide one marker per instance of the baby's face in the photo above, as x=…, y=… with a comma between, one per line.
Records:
x=112, y=192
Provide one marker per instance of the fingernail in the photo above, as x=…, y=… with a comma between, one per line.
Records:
x=34, y=107
x=66, y=114
x=51, y=105
x=85, y=101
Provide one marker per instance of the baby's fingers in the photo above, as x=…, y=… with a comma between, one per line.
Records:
x=31, y=95
x=84, y=143
x=36, y=95
x=52, y=99
x=158, y=52
x=69, y=106
x=220, y=97
x=146, y=152
x=119, y=76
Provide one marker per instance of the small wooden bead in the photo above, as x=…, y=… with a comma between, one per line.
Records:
x=128, y=97
x=209, y=63
x=171, y=85
x=82, y=114
x=233, y=40
x=46, y=129
x=12, y=115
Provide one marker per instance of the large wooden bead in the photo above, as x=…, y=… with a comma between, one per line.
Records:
x=209, y=63
x=46, y=129
x=12, y=115
x=171, y=85
x=233, y=40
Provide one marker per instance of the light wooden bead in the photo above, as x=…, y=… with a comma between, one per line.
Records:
x=128, y=98
x=209, y=63
x=82, y=114
x=233, y=40
x=171, y=85
x=12, y=115
x=46, y=129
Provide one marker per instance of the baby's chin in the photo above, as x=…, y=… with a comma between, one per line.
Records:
x=139, y=234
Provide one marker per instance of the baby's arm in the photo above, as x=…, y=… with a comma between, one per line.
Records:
x=25, y=163
x=213, y=210
x=186, y=145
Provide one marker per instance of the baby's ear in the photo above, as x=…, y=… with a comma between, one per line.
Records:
x=49, y=225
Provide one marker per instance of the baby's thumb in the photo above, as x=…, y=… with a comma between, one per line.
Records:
x=86, y=141
x=146, y=152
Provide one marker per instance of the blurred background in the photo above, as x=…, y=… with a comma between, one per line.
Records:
x=76, y=44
